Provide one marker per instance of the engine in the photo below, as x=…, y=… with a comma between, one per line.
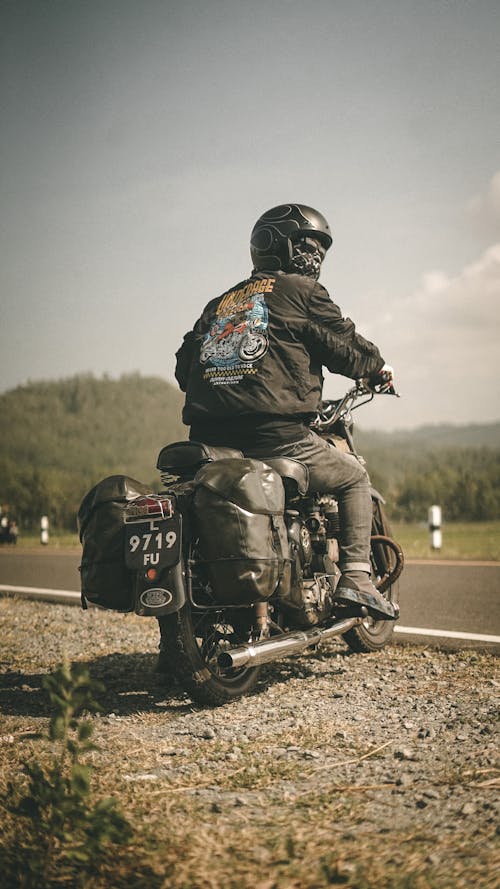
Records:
x=312, y=533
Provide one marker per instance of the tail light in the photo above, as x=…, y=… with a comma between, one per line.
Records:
x=150, y=506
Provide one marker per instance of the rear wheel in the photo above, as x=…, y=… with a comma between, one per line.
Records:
x=193, y=640
x=387, y=563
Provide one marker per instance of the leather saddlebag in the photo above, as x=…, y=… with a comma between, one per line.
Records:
x=238, y=514
x=105, y=580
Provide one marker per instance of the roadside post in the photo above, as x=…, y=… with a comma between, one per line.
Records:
x=44, y=530
x=435, y=517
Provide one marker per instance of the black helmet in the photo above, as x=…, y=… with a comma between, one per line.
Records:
x=273, y=235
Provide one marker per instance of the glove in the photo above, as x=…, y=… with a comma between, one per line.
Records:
x=387, y=372
x=383, y=378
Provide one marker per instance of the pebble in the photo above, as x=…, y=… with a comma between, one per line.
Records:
x=433, y=859
x=424, y=733
x=404, y=780
x=208, y=734
x=468, y=809
x=405, y=753
x=350, y=706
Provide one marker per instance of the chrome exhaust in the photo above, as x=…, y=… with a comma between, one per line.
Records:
x=268, y=650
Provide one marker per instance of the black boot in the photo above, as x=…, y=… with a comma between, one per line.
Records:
x=162, y=666
x=356, y=588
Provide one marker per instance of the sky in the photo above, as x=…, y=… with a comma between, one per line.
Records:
x=140, y=141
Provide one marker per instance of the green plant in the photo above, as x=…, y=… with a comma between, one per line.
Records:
x=64, y=835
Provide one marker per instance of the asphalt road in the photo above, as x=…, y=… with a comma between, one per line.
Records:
x=449, y=600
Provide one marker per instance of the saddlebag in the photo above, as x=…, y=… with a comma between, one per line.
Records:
x=238, y=515
x=105, y=579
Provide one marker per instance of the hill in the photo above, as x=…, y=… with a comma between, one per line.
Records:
x=59, y=438
x=446, y=435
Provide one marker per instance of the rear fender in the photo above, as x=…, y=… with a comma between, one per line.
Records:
x=164, y=596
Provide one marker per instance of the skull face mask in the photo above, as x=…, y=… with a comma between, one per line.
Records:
x=307, y=256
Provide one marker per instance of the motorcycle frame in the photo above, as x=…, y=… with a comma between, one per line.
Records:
x=180, y=576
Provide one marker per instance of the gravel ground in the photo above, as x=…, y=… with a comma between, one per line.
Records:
x=361, y=770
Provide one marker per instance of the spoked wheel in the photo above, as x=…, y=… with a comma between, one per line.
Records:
x=387, y=562
x=193, y=640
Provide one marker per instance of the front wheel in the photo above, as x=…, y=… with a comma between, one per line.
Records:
x=387, y=561
x=191, y=643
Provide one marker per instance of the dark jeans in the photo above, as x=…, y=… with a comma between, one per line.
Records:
x=333, y=472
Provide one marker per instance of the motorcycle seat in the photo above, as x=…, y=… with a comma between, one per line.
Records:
x=188, y=456
x=290, y=469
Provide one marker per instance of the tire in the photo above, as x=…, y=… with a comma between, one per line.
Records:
x=191, y=642
x=253, y=346
x=386, y=558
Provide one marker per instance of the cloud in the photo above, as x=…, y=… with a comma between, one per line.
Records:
x=443, y=341
x=486, y=206
x=456, y=321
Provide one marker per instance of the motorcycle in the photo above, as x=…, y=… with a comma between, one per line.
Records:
x=223, y=615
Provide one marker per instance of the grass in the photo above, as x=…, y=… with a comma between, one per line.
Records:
x=193, y=832
x=461, y=540
x=58, y=540
x=232, y=811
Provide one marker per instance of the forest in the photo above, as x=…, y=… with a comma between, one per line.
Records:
x=59, y=438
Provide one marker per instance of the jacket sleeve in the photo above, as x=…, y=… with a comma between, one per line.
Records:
x=334, y=341
x=190, y=345
x=184, y=358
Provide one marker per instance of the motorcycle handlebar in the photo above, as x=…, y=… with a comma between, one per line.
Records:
x=331, y=411
x=383, y=384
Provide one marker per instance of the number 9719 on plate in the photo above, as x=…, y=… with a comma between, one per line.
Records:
x=152, y=544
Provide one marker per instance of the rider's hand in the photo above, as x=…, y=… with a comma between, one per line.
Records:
x=387, y=373
x=383, y=378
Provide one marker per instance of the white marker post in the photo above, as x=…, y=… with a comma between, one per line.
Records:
x=435, y=527
x=44, y=530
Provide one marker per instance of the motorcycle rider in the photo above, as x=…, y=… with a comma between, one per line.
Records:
x=257, y=387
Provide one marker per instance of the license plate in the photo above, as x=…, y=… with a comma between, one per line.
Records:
x=152, y=544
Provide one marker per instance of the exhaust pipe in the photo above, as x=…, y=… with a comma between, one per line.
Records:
x=289, y=643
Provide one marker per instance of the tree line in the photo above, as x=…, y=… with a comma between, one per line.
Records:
x=465, y=482
x=60, y=438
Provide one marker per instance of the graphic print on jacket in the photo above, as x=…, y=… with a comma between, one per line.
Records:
x=238, y=336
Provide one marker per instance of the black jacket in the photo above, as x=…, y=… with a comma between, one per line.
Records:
x=260, y=347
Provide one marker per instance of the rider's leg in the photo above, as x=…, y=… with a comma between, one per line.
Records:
x=334, y=472
x=162, y=665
